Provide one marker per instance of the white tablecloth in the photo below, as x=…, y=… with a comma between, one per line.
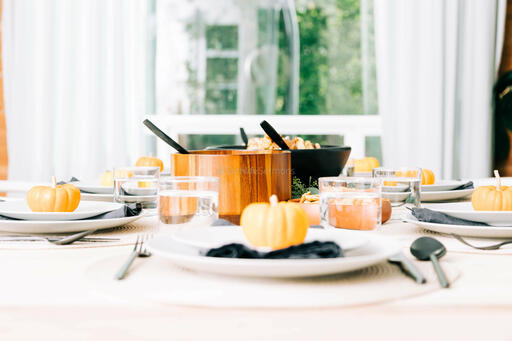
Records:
x=44, y=295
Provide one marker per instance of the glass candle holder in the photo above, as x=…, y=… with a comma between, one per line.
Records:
x=402, y=186
x=350, y=202
x=189, y=201
x=137, y=185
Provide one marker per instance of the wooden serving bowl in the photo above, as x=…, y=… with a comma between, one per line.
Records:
x=244, y=176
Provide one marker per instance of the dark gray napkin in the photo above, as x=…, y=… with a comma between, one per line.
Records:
x=131, y=210
x=467, y=185
x=429, y=216
x=313, y=250
x=70, y=181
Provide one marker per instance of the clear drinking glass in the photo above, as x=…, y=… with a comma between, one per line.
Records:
x=350, y=202
x=190, y=201
x=402, y=186
x=137, y=185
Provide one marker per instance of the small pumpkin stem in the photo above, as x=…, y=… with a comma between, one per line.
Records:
x=273, y=200
x=54, y=182
x=498, y=179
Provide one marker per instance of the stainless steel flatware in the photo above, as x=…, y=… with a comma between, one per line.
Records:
x=137, y=251
x=53, y=239
x=57, y=240
x=427, y=248
x=407, y=267
x=485, y=248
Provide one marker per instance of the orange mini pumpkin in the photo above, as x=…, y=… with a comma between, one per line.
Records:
x=55, y=198
x=492, y=198
x=148, y=161
x=365, y=165
x=276, y=225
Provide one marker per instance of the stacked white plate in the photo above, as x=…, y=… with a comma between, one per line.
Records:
x=442, y=190
x=186, y=248
x=92, y=191
x=500, y=222
x=58, y=222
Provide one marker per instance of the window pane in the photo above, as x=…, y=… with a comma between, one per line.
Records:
x=373, y=147
x=222, y=37
x=221, y=70
x=337, y=58
x=194, y=142
x=220, y=101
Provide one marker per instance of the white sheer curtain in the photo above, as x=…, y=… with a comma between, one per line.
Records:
x=76, y=85
x=436, y=65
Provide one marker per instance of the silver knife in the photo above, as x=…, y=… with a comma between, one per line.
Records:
x=407, y=267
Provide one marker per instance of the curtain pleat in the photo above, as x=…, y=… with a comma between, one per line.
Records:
x=77, y=85
x=435, y=71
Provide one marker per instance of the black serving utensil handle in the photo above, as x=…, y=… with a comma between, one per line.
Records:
x=439, y=271
x=165, y=137
x=244, y=137
x=274, y=135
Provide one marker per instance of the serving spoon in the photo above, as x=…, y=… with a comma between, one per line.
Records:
x=244, y=137
x=427, y=248
x=165, y=137
x=274, y=135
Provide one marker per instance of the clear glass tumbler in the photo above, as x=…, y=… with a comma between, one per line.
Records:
x=188, y=201
x=137, y=185
x=350, y=202
x=402, y=186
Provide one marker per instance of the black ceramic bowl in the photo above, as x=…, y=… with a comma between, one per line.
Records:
x=313, y=163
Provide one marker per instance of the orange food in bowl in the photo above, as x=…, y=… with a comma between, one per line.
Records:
x=312, y=210
x=357, y=214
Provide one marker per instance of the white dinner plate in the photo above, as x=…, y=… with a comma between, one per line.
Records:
x=463, y=230
x=97, y=197
x=464, y=210
x=19, y=209
x=442, y=185
x=70, y=226
x=445, y=195
x=215, y=236
x=93, y=188
x=377, y=250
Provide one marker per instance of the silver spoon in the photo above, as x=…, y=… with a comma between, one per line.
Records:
x=427, y=248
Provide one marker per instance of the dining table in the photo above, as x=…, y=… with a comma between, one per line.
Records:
x=57, y=293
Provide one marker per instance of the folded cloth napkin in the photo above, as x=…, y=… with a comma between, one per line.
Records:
x=313, y=250
x=429, y=216
x=70, y=181
x=467, y=185
x=131, y=210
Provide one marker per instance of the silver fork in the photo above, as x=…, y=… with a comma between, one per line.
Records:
x=137, y=251
x=487, y=248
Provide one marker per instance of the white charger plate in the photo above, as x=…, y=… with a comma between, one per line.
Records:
x=377, y=250
x=18, y=209
x=93, y=188
x=208, y=237
x=445, y=195
x=442, y=185
x=41, y=227
x=463, y=230
x=464, y=210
